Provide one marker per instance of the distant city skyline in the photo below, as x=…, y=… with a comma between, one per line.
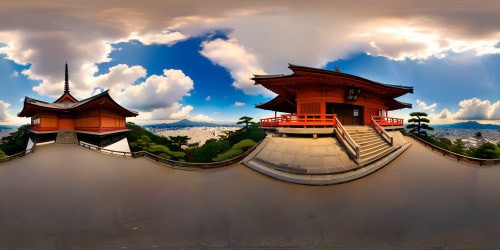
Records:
x=173, y=60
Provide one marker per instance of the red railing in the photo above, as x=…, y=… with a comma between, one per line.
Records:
x=388, y=121
x=381, y=131
x=270, y=122
x=300, y=120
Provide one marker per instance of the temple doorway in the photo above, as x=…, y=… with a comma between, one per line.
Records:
x=346, y=113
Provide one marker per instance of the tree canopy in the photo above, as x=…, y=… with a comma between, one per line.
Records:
x=419, y=124
x=245, y=120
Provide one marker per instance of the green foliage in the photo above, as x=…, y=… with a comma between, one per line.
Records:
x=136, y=132
x=163, y=151
x=2, y=154
x=487, y=150
x=16, y=141
x=444, y=143
x=141, y=139
x=419, y=124
x=253, y=132
x=228, y=154
x=458, y=147
x=179, y=141
x=244, y=144
x=212, y=150
x=237, y=149
x=208, y=151
x=245, y=120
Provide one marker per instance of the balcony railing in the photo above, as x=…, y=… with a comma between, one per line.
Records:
x=300, y=120
x=388, y=121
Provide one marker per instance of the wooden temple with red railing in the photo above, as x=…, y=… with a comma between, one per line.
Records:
x=97, y=120
x=318, y=98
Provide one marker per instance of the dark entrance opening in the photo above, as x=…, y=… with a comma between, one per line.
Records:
x=346, y=113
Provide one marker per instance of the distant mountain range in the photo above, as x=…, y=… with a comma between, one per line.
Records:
x=467, y=125
x=184, y=123
x=3, y=127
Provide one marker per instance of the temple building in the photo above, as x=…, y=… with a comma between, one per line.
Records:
x=322, y=102
x=97, y=120
x=317, y=98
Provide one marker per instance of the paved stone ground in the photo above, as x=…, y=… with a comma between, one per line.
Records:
x=322, y=155
x=67, y=197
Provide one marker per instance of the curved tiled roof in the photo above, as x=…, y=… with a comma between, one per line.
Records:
x=69, y=106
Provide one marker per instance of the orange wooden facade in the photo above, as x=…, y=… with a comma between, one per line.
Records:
x=98, y=114
x=314, y=100
x=92, y=120
x=313, y=94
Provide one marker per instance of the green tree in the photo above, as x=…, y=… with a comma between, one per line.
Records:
x=444, y=143
x=458, y=147
x=2, y=154
x=179, y=141
x=208, y=151
x=487, y=150
x=235, y=150
x=419, y=124
x=136, y=132
x=16, y=141
x=245, y=120
x=253, y=132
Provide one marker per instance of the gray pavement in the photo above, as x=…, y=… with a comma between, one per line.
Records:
x=322, y=155
x=67, y=197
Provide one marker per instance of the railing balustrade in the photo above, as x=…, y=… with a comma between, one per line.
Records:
x=170, y=162
x=300, y=120
x=388, y=121
x=340, y=130
x=18, y=155
x=454, y=155
x=381, y=131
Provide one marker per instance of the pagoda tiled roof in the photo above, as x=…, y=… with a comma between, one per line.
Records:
x=69, y=106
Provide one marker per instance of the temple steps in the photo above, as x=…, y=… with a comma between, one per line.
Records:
x=66, y=137
x=372, y=146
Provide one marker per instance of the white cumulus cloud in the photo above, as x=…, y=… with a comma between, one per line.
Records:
x=241, y=64
x=470, y=109
x=156, y=91
x=423, y=105
x=239, y=104
x=182, y=113
x=473, y=109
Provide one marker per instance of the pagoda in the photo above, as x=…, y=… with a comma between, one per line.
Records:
x=97, y=120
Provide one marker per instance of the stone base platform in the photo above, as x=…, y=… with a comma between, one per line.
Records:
x=308, y=161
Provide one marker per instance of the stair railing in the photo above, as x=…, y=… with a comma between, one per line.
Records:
x=382, y=132
x=342, y=132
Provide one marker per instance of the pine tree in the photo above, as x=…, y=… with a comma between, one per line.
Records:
x=419, y=124
x=245, y=120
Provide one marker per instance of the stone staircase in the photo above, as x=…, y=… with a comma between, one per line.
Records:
x=372, y=146
x=66, y=137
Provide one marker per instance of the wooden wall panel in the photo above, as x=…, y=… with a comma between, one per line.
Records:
x=87, y=122
x=66, y=124
x=48, y=122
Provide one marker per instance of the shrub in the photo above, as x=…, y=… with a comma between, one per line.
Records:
x=487, y=150
x=244, y=144
x=228, y=154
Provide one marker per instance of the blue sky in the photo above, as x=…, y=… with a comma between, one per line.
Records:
x=196, y=63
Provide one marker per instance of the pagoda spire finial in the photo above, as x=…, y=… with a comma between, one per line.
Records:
x=66, y=80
